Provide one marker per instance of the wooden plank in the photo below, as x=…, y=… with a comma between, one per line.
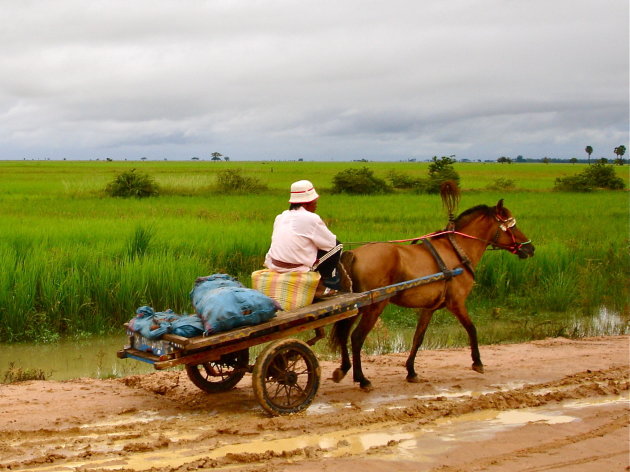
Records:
x=284, y=319
x=215, y=353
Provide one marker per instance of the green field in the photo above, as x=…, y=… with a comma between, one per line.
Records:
x=77, y=263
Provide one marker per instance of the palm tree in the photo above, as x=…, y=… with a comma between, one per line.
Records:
x=620, y=151
x=589, y=151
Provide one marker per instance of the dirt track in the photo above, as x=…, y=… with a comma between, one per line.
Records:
x=552, y=405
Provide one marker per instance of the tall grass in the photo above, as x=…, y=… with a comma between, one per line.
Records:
x=76, y=263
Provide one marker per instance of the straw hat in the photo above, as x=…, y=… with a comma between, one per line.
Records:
x=303, y=191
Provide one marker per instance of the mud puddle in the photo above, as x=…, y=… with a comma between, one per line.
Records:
x=387, y=441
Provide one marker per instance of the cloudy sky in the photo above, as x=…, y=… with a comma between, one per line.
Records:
x=325, y=80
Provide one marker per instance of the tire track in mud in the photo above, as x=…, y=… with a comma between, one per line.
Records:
x=140, y=440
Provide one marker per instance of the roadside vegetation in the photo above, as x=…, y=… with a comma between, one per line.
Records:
x=78, y=263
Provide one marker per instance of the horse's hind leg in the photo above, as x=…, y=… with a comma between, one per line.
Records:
x=424, y=317
x=368, y=320
x=341, y=333
x=462, y=315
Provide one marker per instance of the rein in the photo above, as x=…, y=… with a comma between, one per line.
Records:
x=504, y=226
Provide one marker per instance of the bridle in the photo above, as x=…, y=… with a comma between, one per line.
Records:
x=506, y=226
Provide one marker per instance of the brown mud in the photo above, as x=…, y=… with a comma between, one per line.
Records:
x=551, y=405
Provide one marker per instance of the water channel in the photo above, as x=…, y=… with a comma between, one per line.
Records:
x=96, y=357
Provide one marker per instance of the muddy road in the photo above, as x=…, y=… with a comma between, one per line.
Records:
x=551, y=405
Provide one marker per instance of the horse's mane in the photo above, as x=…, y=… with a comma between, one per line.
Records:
x=466, y=215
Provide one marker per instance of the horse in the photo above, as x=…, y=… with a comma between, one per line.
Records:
x=461, y=244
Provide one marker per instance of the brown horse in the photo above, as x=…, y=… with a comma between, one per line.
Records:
x=462, y=244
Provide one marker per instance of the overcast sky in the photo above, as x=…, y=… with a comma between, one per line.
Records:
x=325, y=80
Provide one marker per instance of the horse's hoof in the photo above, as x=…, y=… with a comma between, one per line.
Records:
x=337, y=375
x=366, y=386
x=414, y=379
x=478, y=368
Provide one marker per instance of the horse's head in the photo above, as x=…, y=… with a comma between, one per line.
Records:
x=508, y=236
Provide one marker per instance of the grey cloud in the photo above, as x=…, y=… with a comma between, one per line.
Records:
x=338, y=77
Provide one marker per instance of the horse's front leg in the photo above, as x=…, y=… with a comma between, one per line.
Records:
x=424, y=318
x=460, y=311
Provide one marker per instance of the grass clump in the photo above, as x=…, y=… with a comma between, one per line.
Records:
x=233, y=181
x=132, y=184
x=501, y=184
x=597, y=176
x=359, y=182
x=18, y=374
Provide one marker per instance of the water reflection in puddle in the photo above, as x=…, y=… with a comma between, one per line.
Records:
x=73, y=359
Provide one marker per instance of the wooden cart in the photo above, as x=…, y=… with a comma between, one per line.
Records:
x=286, y=373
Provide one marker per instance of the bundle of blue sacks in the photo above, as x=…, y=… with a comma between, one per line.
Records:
x=221, y=303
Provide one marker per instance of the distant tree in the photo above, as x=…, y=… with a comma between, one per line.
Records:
x=519, y=158
x=546, y=160
x=504, y=160
x=194, y=158
x=602, y=160
x=226, y=158
x=620, y=151
x=143, y=158
x=216, y=156
x=573, y=160
x=589, y=151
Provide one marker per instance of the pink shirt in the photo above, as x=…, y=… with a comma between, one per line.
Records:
x=297, y=235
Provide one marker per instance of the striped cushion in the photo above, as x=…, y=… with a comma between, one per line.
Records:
x=291, y=290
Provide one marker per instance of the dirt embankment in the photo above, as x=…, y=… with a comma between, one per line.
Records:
x=557, y=404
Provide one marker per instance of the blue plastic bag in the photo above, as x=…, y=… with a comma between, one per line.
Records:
x=223, y=303
x=153, y=325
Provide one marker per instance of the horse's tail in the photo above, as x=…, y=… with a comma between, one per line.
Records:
x=450, y=193
x=341, y=329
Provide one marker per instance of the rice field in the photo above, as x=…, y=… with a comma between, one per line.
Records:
x=77, y=263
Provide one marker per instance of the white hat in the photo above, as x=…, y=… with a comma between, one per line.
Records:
x=302, y=191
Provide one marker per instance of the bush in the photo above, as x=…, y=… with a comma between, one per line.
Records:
x=402, y=181
x=359, y=182
x=598, y=175
x=132, y=184
x=441, y=170
x=501, y=184
x=233, y=181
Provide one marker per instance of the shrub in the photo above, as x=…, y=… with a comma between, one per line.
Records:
x=233, y=181
x=599, y=175
x=132, y=184
x=18, y=374
x=501, y=184
x=441, y=170
x=359, y=182
x=400, y=180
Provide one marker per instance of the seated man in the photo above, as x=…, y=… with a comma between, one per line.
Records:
x=301, y=241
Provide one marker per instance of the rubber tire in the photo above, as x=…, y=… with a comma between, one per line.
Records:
x=202, y=378
x=286, y=360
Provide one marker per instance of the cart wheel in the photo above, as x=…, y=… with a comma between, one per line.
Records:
x=286, y=377
x=219, y=376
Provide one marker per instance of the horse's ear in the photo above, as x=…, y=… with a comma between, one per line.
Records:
x=499, y=207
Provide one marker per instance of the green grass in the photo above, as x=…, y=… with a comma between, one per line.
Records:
x=76, y=262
